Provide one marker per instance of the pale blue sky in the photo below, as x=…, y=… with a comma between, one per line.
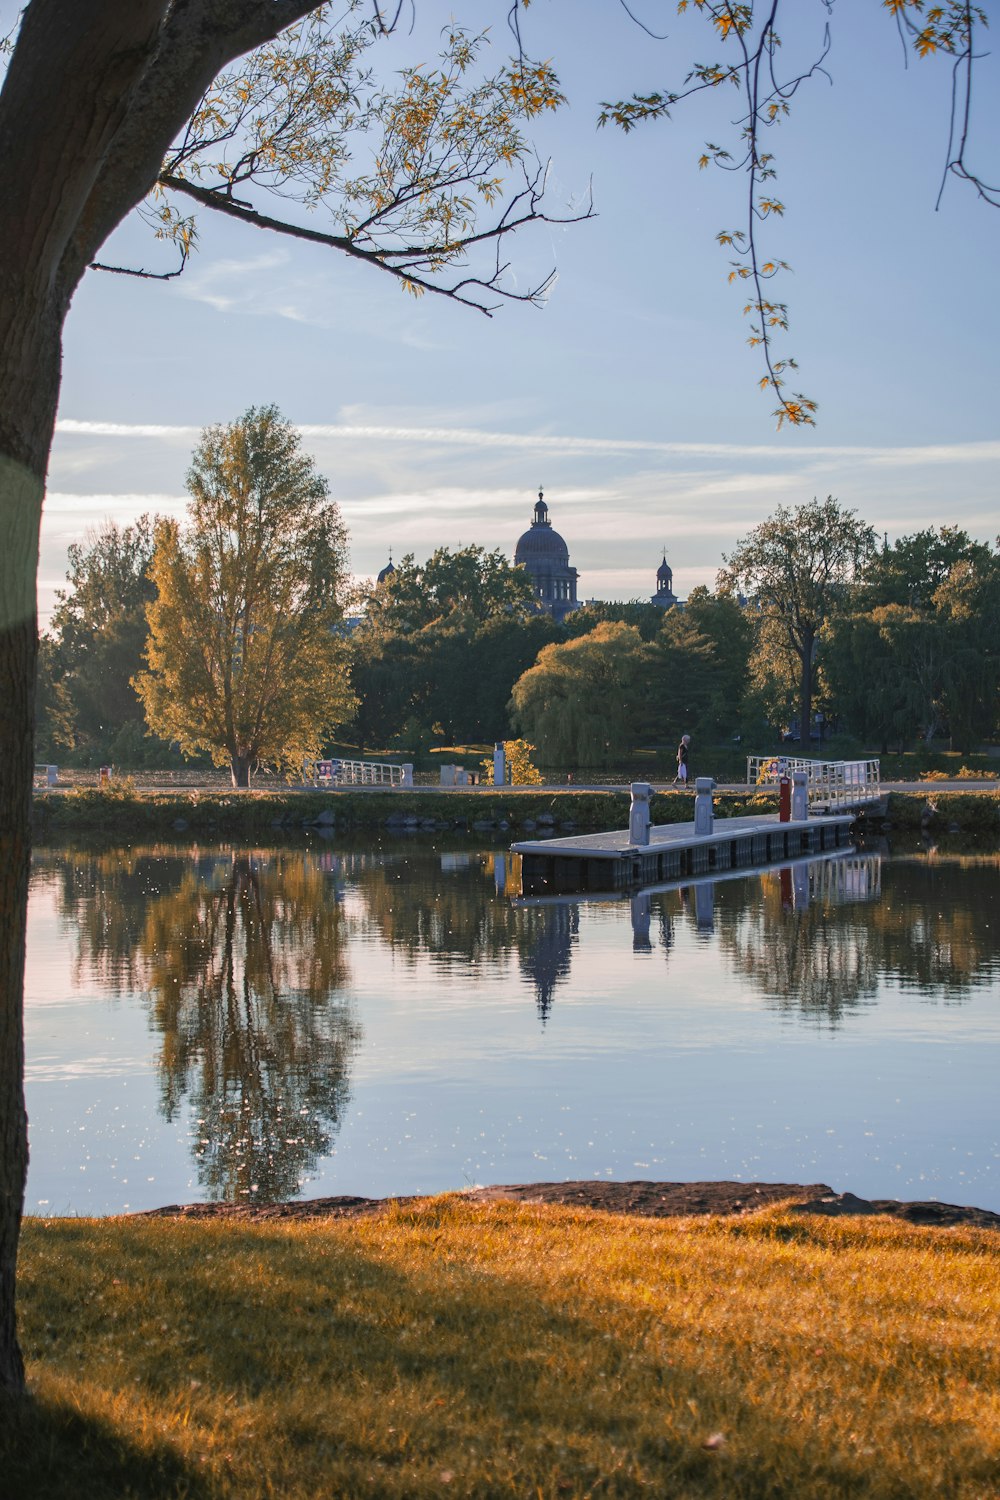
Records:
x=631, y=396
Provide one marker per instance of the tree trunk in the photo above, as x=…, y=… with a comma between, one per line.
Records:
x=89, y=103
x=805, y=692
x=27, y=417
x=240, y=771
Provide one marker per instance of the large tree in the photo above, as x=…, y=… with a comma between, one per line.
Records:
x=246, y=657
x=795, y=569
x=105, y=105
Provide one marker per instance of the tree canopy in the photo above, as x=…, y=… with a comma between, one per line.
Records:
x=577, y=704
x=245, y=657
x=794, y=569
x=95, y=645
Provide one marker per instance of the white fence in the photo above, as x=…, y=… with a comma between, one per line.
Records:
x=833, y=784
x=356, y=773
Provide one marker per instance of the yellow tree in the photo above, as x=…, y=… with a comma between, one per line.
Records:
x=245, y=657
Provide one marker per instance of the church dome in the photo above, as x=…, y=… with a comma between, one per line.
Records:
x=664, y=575
x=387, y=571
x=540, y=544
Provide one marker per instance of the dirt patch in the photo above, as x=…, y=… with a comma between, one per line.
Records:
x=655, y=1200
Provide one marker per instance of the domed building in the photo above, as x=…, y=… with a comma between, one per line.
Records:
x=664, y=598
x=387, y=571
x=545, y=558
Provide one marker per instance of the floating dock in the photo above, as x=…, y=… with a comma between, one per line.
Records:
x=610, y=862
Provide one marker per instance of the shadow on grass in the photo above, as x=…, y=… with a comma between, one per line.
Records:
x=50, y=1450
x=394, y=1354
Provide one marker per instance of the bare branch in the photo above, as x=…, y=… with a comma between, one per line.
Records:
x=410, y=264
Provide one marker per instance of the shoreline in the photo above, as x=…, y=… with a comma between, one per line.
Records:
x=119, y=812
x=644, y=1199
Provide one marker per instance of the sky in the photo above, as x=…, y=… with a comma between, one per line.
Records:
x=631, y=396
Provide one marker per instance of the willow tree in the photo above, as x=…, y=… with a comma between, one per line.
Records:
x=581, y=703
x=245, y=656
x=108, y=106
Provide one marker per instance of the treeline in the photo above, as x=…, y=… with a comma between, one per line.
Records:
x=812, y=623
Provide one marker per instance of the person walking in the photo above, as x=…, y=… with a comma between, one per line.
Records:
x=682, y=760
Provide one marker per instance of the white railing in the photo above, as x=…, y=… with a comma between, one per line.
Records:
x=356, y=773
x=832, y=783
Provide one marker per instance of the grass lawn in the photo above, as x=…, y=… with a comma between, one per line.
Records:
x=450, y=1348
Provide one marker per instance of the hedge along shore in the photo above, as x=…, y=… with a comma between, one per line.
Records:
x=120, y=811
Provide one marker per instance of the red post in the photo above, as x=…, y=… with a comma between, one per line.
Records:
x=785, y=799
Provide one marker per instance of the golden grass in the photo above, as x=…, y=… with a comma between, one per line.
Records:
x=505, y=1350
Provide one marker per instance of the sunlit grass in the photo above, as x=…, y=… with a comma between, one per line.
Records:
x=505, y=1350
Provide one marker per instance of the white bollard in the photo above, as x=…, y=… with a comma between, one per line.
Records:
x=638, y=818
x=704, y=818
x=800, y=796
x=499, y=765
x=407, y=774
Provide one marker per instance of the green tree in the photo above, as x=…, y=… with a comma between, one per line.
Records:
x=99, y=633
x=245, y=657
x=875, y=666
x=796, y=569
x=722, y=701
x=922, y=655
x=468, y=584
x=967, y=604
x=581, y=702
x=912, y=570
x=442, y=644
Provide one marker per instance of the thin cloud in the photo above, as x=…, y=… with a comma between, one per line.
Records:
x=59, y=502
x=468, y=437
x=68, y=427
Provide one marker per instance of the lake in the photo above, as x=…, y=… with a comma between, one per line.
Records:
x=229, y=1023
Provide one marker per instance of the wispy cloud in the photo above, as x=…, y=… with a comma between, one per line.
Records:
x=473, y=438
x=59, y=502
x=69, y=427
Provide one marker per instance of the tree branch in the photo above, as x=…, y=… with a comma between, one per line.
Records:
x=406, y=263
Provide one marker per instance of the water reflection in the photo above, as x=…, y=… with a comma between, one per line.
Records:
x=241, y=957
x=252, y=966
x=795, y=934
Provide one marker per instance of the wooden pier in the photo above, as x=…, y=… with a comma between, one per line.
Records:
x=670, y=851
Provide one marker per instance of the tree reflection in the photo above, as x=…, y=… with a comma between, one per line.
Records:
x=241, y=958
x=451, y=909
x=926, y=922
x=820, y=962
x=545, y=960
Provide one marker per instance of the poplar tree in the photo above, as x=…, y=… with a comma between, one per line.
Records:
x=245, y=656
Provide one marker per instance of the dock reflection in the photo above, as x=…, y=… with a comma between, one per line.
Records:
x=790, y=892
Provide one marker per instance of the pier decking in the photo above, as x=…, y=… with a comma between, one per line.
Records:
x=609, y=861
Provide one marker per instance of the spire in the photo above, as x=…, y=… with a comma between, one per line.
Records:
x=541, y=517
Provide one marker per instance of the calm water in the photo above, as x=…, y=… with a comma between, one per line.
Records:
x=229, y=1022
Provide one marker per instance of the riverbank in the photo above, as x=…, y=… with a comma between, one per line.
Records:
x=501, y=1348
x=121, y=812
